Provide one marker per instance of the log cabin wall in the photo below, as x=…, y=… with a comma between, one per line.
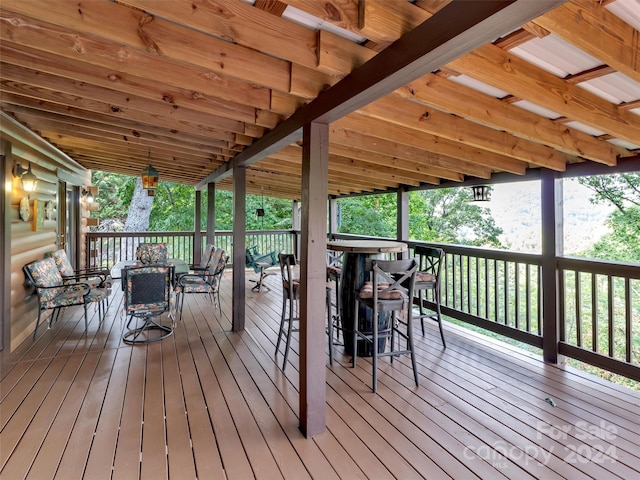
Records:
x=30, y=240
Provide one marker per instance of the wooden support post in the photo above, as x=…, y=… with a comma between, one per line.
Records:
x=239, y=233
x=295, y=222
x=552, y=247
x=197, y=231
x=313, y=339
x=333, y=215
x=402, y=221
x=5, y=249
x=211, y=213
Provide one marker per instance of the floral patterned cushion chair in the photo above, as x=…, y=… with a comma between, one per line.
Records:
x=152, y=253
x=208, y=283
x=94, y=277
x=54, y=294
x=147, y=297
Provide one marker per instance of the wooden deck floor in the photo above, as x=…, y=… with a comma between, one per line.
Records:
x=210, y=404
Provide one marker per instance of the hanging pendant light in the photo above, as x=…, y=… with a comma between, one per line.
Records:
x=150, y=178
x=480, y=193
x=260, y=211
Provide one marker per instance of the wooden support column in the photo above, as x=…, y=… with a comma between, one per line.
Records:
x=402, y=220
x=239, y=233
x=333, y=215
x=197, y=230
x=295, y=224
x=5, y=248
x=552, y=247
x=211, y=213
x=313, y=338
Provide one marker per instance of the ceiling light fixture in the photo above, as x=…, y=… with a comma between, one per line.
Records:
x=150, y=178
x=480, y=193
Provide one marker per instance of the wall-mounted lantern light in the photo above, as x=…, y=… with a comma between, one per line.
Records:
x=29, y=180
x=87, y=195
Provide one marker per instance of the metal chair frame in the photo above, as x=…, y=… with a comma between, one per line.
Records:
x=147, y=296
x=430, y=261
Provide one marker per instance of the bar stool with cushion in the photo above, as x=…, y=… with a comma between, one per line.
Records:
x=430, y=260
x=389, y=289
x=290, y=272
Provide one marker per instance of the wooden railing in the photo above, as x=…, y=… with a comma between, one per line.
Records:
x=105, y=249
x=598, y=302
x=501, y=291
x=600, y=312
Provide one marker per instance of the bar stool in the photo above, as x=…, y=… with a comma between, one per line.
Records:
x=290, y=301
x=389, y=290
x=430, y=260
x=334, y=274
x=291, y=304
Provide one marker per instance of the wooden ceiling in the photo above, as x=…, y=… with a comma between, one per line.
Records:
x=196, y=86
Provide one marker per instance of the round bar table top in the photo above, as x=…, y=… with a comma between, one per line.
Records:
x=367, y=246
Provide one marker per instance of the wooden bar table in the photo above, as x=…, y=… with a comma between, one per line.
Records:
x=353, y=275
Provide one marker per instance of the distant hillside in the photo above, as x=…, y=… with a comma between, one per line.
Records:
x=516, y=209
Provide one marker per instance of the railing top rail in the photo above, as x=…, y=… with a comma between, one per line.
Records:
x=179, y=234
x=608, y=267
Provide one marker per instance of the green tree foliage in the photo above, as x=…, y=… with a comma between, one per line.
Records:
x=448, y=215
x=373, y=215
x=173, y=206
x=114, y=195
x=277, y=212
x=442, y=215
x=622, y=243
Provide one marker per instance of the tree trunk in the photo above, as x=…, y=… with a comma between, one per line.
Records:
x=139, y=210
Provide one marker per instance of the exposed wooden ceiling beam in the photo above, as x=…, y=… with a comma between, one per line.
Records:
x=454, y=128
x=591, y=27
x=501, y=69
x=471, y=104
x=455, y=30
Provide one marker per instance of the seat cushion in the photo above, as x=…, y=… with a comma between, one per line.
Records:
x=367, y=291
x=64, y=298
x=192, y=284
x=45, y=273
x=425, y=277
x=295, y=285
x=152, y=253
x=62, y=262
x=334, y=271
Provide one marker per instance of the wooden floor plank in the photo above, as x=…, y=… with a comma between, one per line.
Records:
x=100, y=461
x=208, y=463
x=126, y=463
x=28, y=408
x=74, y=459
x=231, y=448
x=19, y=391
x=179, y=458
x=530, y=407
x=53, y=447
x=210, y=403
x=154, y=445
x=18, y=465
